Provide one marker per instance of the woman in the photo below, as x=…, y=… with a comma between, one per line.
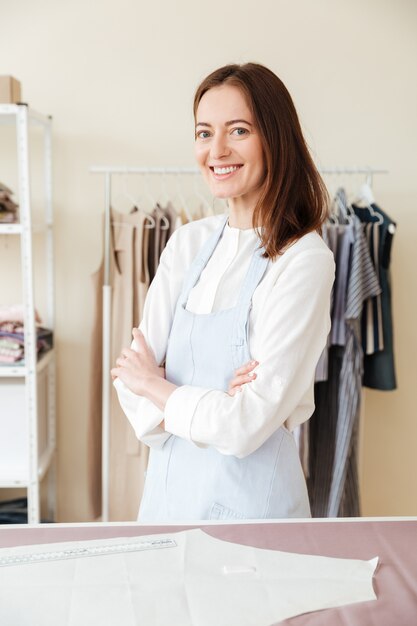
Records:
x=222, y=368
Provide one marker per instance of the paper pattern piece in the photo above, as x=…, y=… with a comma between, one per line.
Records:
x=199, y=581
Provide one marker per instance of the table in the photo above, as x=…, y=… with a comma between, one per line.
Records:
x=393, y=540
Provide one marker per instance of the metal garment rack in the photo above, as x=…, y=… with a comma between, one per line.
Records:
x=29, y=471
x=108, y=172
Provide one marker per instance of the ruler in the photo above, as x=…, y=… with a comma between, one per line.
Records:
x=77, y=552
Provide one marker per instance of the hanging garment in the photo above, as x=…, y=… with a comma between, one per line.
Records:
x=187, y=482
x=322, y=435
x=182, y=579
x=155, y=243
x=130, y=281
x=372, y=321
x=166, y=221
x=379, y=367
x=362, y=284
x=321, y=428
x=333, y=429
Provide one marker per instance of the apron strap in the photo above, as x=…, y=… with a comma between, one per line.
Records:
x=254, y=275
x=200, y=262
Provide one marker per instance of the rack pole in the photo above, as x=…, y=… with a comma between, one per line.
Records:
x=107, y=299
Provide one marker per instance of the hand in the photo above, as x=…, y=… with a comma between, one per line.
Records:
x=243, y=375
x=137, y=367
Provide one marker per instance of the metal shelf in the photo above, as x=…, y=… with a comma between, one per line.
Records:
x=9, y=113
x=20, y=371
x=23, y=480
x=27, y=443
x=11, y=229
x=17, y=229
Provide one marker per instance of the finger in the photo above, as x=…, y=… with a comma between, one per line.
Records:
x=244, y=369
x=242, y=379
x=138, y=334
x=140, y=340
x=127, y=352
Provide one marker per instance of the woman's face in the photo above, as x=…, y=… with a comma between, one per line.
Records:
x=228, y=146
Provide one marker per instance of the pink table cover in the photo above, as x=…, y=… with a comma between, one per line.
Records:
x=393, y=541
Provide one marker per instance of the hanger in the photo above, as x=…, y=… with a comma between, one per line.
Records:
x=134, y=201
x=341, y=208
x=182, y=199
x=164, y=219
x=151, y=220
x=366, y=197
x=201, y=197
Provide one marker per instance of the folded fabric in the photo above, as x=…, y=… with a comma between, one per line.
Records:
x=8, y=208
x=12, y=341
x=8, y=218
x=15, y=313
x=8, y=358
x=11, y=344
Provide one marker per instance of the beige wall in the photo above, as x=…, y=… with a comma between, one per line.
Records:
x=118, y=77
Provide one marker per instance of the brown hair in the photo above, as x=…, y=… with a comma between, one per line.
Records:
x=293, y=199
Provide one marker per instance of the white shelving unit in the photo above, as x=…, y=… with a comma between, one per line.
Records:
x=27, y=392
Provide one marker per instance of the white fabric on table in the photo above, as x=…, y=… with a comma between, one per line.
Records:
x=200, y=582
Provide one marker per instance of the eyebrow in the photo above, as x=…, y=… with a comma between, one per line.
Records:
x=226, y=124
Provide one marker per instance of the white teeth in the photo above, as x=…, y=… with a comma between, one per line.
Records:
x=225, y=170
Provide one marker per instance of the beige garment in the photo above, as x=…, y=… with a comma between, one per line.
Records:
x=155, y=235
x=130, y=282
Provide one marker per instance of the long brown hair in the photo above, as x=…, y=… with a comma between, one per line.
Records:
x=293, y=199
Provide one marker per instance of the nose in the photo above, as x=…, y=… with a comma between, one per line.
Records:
x=219, y=146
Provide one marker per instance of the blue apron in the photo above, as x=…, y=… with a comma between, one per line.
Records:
x=187, y=483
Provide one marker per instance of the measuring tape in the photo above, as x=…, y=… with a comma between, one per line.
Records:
x=75, y=553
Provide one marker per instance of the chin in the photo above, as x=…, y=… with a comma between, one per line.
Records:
x=220, y=195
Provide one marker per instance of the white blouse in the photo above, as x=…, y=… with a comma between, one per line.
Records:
x=288, y=325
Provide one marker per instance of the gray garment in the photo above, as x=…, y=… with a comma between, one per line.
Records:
x=345, y=240
x=339, y=238
x=332, y=476
x=329, y=234
x=362, y=284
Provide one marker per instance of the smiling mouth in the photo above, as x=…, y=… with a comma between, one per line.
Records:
x=225, y=170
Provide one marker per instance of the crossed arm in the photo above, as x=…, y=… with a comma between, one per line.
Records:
x=139, y=371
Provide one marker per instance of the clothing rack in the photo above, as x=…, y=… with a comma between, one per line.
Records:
x=108, y=172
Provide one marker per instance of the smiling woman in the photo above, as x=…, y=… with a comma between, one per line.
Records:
x=236, y=293
x=254, y=106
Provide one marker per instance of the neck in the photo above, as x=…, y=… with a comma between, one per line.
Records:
x=240, y=215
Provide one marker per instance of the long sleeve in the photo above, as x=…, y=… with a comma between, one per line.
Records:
x=289, y=336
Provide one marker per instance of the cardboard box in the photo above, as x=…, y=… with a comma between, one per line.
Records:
x=9, y=90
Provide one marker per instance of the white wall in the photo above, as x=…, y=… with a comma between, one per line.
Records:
x=118, y=78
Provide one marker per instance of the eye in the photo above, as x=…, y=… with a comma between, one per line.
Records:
x=202, y=134
x=240, y=132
